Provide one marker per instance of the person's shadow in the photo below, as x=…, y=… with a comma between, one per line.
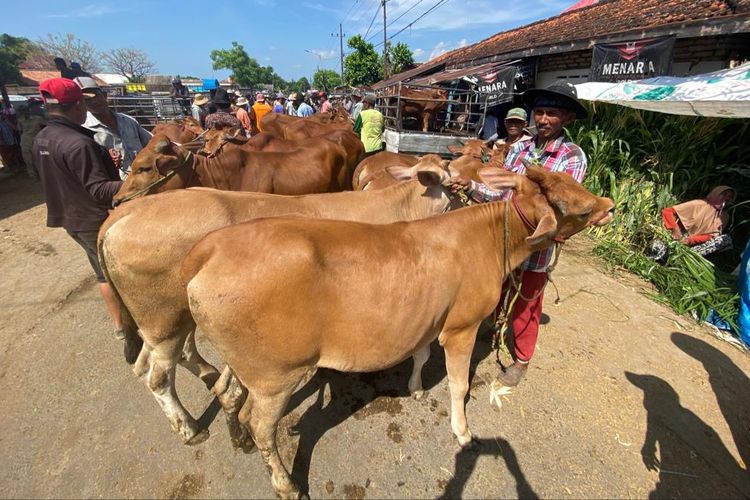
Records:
x=678, y=432
x=466, y=461
x=730, y=385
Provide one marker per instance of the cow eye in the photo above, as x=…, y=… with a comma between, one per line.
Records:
x=146, y=169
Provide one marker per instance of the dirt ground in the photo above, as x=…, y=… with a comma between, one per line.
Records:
x=623, y=399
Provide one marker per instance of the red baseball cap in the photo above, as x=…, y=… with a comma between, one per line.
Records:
x=60, y=91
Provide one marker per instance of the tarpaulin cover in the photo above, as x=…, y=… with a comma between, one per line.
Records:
x=724, y=93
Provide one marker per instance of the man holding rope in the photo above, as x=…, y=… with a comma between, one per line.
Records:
x=78, y=177
x=552, y=109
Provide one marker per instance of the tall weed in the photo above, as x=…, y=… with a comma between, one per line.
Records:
x=647, y=161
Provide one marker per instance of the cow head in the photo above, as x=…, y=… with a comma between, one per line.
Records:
x=432, y=172
x=153, y=169
x=476, y=148
x=554, y=203
x=216, y=138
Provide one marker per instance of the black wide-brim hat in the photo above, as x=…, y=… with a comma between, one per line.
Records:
x=557, y=95
x=221, y=97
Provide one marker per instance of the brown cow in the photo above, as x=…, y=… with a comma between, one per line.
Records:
x=219, y=140
x=294, y=127
x=423, y=104
x=179, y=131
x=372, y=169
x=162, y=165
x=360, y=297
x=142, y=244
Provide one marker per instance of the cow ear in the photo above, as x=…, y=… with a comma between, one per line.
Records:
x=537, y=174
x=498, y=178
x=547, y=226
x=455, y=149
x=400, y=173
x=428, y=178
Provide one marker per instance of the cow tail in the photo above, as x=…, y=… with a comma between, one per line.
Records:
x=133, y=341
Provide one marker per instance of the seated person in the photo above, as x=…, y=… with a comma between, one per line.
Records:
x=700, y=223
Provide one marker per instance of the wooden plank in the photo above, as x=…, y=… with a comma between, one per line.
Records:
x=420, y=142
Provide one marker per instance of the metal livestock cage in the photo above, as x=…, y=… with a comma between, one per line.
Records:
x=456, y=115
x=150, y=109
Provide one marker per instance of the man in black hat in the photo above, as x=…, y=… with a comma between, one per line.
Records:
x=222, y=117
x=552, y=109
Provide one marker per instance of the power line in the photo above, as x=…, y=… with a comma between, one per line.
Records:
x=399, y=17
x=349, y=12
x=373, y=20
x=438, y=4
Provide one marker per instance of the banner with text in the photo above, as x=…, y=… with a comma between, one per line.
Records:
x=497, y=84
x=617, y=62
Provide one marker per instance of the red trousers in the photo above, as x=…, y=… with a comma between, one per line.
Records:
x=525, y=315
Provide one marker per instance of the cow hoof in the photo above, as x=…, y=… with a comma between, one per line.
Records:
x=198, y=438
x=244, y=442
x=132, y=348
x=419, y=395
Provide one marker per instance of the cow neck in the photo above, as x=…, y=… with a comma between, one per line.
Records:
x=213, y=172
x=514, y=216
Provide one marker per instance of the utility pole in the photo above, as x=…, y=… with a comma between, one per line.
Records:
x=385, y=45
x=341, y=49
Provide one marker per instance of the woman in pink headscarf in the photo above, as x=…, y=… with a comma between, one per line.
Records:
x=697, y=223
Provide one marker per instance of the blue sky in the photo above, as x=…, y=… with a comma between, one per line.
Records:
x=292, y=36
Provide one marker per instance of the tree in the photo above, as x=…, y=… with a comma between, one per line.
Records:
x=73, y=49
x=326, y=79
x=363, y=66
x=13, y=50
x=401, y=57
x=245, y=70
x=303, y=84
x=133, y=64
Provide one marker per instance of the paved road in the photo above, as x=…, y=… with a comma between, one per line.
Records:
x=618, y=383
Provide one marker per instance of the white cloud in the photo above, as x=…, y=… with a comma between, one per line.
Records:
x=418, y=53
x=438, y=49
x=453, y=15
x=324, y=54
x=443, y=47
x=91, y=10
x=322, y=8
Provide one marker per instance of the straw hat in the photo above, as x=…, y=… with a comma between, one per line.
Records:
x=241, y=102
x=200, y=99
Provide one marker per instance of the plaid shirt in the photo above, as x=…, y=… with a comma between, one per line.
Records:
x=561, y=155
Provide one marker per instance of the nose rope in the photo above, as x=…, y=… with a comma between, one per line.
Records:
x=158, y=182
x=502, y=317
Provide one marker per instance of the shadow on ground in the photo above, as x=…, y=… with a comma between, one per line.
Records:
x=683, y=437
x=359, y=395
x=17, y=194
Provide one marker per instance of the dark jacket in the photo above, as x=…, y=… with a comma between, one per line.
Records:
x=78, y=176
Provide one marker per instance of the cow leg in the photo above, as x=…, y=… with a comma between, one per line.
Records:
x=425, y=121
x=415, y=381
x=194, y=362
x=458, y=348
x=265, y=404
x=232, y=395
x=162, y=362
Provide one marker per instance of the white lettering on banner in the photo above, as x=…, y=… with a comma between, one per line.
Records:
x=628, y=68
x=495, y=87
